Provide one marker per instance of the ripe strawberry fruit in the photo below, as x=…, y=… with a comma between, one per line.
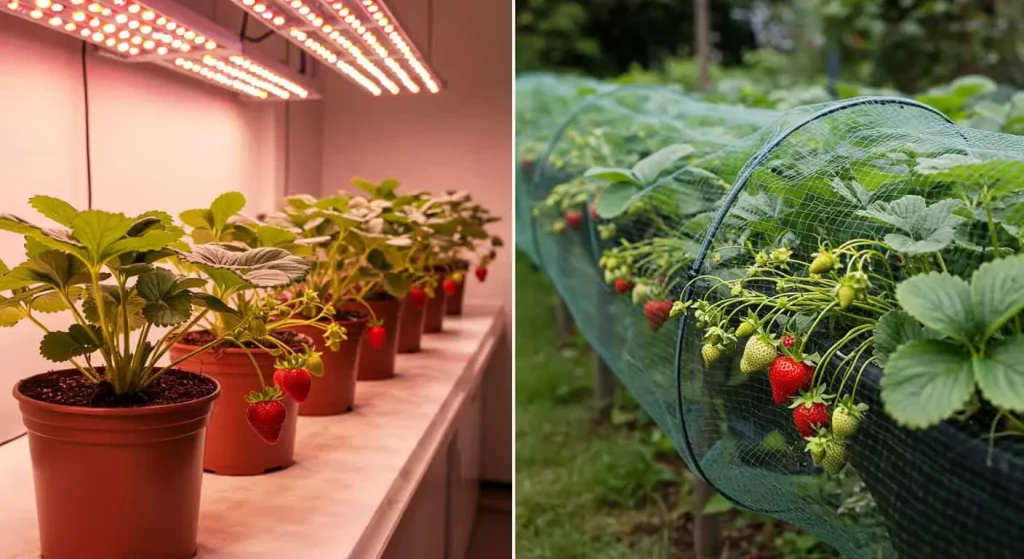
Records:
x=810, y=411
x=376, y=335
x=294, y=383
x=573, y=219
x=481, y=273
x=657, y=313
x=622, y=286
x=788, y=341
x=418, y=297
x=593, y=212
x=788, y=377
x=450, y=286
x=266, y=418
x=757, y=355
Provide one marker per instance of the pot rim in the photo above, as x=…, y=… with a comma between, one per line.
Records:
x=230, y=350
x=118, y=412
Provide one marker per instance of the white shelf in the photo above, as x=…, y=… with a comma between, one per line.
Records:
x=354, y=474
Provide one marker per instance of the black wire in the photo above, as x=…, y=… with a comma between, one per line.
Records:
x=245, y=23
x=302, y=63
x=88, y=146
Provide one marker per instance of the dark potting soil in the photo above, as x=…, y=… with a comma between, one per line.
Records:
x=349, y=316
x=172, y=387
x=200, y=338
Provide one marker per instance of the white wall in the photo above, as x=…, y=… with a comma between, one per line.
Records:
x=158, y=141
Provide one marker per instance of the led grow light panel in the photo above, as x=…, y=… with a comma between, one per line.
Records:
x=358, y=38
x=164, y=33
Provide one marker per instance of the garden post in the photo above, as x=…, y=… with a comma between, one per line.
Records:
x=564, y=328
x=707, y=528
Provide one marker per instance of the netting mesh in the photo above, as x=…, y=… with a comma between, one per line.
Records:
x=543, y=102
x=648, y=197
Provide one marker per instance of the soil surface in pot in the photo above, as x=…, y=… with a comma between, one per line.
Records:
x=172, y=387
x=199, y=338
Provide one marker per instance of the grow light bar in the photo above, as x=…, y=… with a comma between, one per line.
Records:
x=350, y=37
x=166, y=34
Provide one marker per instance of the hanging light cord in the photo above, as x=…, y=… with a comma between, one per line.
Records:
x=88, y=136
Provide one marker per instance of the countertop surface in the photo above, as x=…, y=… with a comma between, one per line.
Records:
x=353, y=475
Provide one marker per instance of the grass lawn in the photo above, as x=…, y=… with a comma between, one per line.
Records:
x=607, y=492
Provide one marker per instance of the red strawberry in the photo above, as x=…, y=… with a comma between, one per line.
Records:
x=266, y=418
x=622, y=286
x=788, y=341
x=657, y=313
x=788, y=377
x=294, y=382
x=450, y=287
x=376, y=335
x=573, y=219
x=593, y=212
x=418, y=297
x=810, y=411
x=481, y=273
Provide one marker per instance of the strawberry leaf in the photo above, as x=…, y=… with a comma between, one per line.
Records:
x=894, y=329
x=1000, y=374
x=997, y=292
x=926, y=381
x=61, y=346
x=941, y=302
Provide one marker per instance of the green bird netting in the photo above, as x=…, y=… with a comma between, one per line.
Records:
x=543, y=103
x=820, y=307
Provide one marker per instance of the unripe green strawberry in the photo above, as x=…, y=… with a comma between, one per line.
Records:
x=823, y=262
x=845, y=295
x=745, y=329
x=757, y=355
x=642, y=293
x=815, y=446
x=835, y=456
x=711, y=354
x=844, y=422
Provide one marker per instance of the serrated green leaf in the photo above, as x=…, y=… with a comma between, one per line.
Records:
x=614, y=199
x=612, y=175
x=926, y=381
x=396, y=285
x=261, y=267
x=52, y=302
x=198, y=218
x=225, y=206
x=648, y=169
x=922, y=228
x=189, y=283
x=997, y=292
x=894, y=329
x=152, y=240
x=54, y=208
x=98, y=230
x=9, y=316
x=941, y=302
x=213, y=303
x=1000, y=374
x=60, y=346
x=170, y=310
x=270, y=236
x=156, y=285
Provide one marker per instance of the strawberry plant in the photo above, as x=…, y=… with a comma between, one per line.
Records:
x=103, y=270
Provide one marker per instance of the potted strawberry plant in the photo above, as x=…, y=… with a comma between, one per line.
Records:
x=264, y=368
x=116, y=404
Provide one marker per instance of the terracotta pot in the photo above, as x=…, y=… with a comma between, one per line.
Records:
x=379, y=364
x=434, y=321
x=334, y=393
x=410, y=330
x=453, y=306
x=116, y=482
x=232, y=447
